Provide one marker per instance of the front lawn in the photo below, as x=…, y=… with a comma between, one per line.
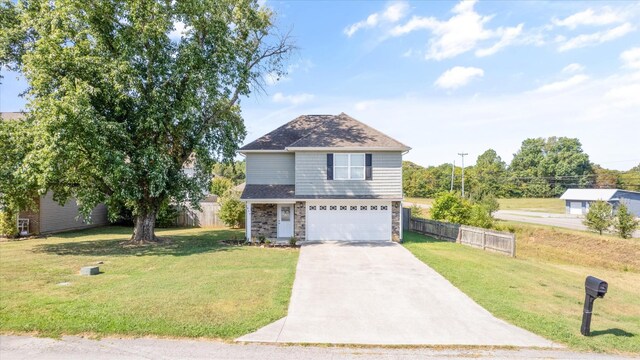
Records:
x=544, y=296
x=192, y=287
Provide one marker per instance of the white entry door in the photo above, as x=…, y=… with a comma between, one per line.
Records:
x=285, y=220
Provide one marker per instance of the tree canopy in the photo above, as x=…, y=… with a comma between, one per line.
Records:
x=540, y=168
x=123, y=93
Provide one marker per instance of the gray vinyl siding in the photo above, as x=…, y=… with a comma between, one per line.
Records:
x=631, y=199
x=311, y=176
x=271, y=169
x=54, y=218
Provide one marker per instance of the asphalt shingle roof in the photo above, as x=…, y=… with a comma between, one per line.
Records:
x=310, y=131
x=260, y=192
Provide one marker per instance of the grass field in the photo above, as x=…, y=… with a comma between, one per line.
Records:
x=533, y=204
x=524, y=204
x=191, y=287
x=542, y=290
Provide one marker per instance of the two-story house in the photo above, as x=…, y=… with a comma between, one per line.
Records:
x=324, y=177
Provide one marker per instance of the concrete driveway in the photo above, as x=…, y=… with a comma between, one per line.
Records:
x=380, y=294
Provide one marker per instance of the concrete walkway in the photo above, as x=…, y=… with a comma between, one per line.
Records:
x=379, y=293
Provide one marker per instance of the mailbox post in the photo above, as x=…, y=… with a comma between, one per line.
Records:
x=593, y=288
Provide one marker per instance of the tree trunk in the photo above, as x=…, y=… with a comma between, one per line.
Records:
x=144, y=228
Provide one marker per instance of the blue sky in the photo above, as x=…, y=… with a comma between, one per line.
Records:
x=445, y=77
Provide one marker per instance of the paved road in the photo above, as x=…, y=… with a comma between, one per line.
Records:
x=379, y=293
x=559, y=220
x=566, y=221
x=71, y=348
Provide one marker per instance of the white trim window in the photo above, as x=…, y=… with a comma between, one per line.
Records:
x=349, y=166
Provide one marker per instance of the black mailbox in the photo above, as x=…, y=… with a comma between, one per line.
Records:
x=594, y=288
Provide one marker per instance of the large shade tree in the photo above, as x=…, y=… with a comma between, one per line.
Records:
x=123, y=93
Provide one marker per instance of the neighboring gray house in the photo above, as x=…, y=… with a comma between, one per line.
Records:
x=578, y=200
x=324, y=177
x=50, y=217
x=47, y=215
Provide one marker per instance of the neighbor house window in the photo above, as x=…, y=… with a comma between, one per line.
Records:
x=348, y=166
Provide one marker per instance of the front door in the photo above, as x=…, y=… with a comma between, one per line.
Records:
x=285, y=220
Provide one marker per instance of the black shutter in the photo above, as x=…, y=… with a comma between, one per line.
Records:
x=368, y=170
x=329, y=166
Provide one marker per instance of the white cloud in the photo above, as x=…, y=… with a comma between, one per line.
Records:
x=596, y=38
x=460, y=33
x=272, y=78
x=563, y=84
x=393, y=13
x=477, y=123
x=573, y=68
x=507, y=36
x=606, y=16
x=624, y=96
x=296, y=99
x=458, y=76
x=364, y=105
x=631, y=58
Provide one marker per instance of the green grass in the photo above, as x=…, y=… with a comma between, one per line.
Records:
x=192, y=287
x=525, y=204
x=543, y=295
x=423, y=201
x=550, y=205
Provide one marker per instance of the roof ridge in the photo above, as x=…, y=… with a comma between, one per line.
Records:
x=372, y=128
x=311, y=131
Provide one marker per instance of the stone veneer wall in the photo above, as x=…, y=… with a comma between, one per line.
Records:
x=264, y=220
x=300, y=221
x=395, y=221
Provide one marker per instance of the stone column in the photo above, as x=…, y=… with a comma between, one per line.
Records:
x=300, y=221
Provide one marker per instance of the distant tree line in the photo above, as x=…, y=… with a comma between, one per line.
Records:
x=540, y=168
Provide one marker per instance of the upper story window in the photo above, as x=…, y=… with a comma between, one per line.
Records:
x=349, y=166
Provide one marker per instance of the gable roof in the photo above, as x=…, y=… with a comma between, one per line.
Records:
x=324, y=131
x=589, y=194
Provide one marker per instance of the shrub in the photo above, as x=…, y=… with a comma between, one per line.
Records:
x=624, y=223
x=8, y=224
x=599, y=218
x=490, y=202
x=220, y=185
x=416, y=211
x=451, y=207
x=292, y=241
x=480, y=216
x=232, y=210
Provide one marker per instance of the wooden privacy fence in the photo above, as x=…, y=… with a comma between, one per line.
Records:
x=436, y=229
x=485, y=239
x=498, y=241
x=206, y=218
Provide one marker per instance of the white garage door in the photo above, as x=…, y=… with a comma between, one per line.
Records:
x=575, y=207
x=366, y=221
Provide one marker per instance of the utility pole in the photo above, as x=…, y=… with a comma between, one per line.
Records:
x=463, y=154
x=453, y=168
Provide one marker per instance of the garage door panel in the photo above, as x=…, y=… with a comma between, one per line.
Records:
x=352, y=221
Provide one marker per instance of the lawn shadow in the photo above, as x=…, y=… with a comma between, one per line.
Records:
x=614, y=331
x=178, y=245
